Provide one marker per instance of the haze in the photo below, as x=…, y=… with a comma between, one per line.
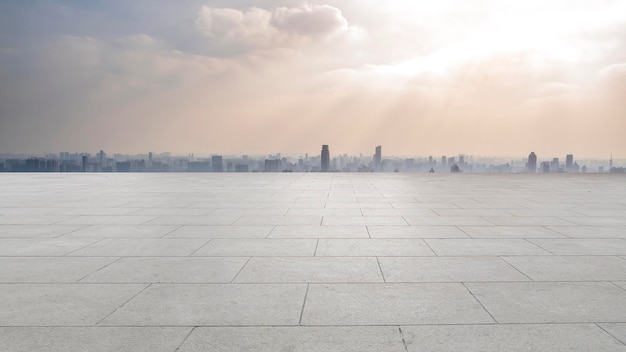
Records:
x=418, y=77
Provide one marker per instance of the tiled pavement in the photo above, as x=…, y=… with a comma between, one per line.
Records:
x=312, y=262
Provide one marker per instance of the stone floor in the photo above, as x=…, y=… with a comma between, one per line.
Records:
x=312, y=262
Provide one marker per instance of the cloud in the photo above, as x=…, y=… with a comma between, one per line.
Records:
x=235, y=31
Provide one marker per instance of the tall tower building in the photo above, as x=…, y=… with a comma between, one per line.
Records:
x=532, y=162
x=325, y=158
x=378, y=158
x=569, y=162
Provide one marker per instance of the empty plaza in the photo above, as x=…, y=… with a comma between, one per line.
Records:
x=312, y=262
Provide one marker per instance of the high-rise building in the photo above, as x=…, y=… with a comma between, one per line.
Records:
x=532, y=162
x=325, y=158
x=545, y=167
x=555, y=165
x=569, y=162
x=378, y=158
x=217, y=163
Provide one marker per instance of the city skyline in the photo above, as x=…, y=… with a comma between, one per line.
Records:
x=259, y=76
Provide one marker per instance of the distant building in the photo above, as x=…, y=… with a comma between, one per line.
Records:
x=241, y=168
x=325, y=164
x=84, y=163
x=532, y=162
x=378, y=158
x=569, y=162
x=272, y=165
x=545, y=167
x=555, y=165
x=217, y=163
x=455, y=168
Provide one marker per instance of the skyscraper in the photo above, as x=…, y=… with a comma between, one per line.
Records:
x=378, y=158
x=217, y=163
x=532, y=162
x=325, y=158
x=569, y=162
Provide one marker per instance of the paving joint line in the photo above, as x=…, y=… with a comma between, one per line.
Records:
x=194, y=252
x=83, y=247
x=316, y=245
x=240, y=270
x=306, y=293
x=185, y=339
x=613, y=336
x=533, y=243
x=479, y=302
x=172, y=231
x=381, y=270
x=111, y=263
x=122, y=305
x=513, y=266
x=406, y=348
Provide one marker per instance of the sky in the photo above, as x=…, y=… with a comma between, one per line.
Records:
x=480, y=77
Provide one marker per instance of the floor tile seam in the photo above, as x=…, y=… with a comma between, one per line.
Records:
x=105, y=266
x=276, y=283
x=463, y=231
x=480, y=303
x=199, y=248
x=83, y=247
x=404, y=344
x=122, y=305
x=616, y=285
x=176, y=228
x=503, y=258
x=270, y=231
x=306, y=293
x=381, y=270
x=232, y=281
x=429, y=247
x=81, y=227
x=555, y=231
x=185, y=339
x=613, y=336
x=537, y=245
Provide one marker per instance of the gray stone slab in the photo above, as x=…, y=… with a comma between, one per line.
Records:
x=310, y=269
x=527, y=220
x=141, y=247
x=121, y=231
x=36, y=231
x=552, y=302
x=621, y=284
x=107, y=220
x=317, y=231
x=279, y=220
x=171, y=211
x=472, y=212
x=221, y=232
x=570, y=268
x=397, y=212
x=61, y=304
x=510, y=232
x=41, y=247
x=591, y=231
x=415, y=232
x=324, y=212
x=424, y=205
x=48, y=269
x=295, y=339
x=258, y=247
x=597, y=220
x=87, y=210
x=372, y=247
x=583, y=246
x=93, y=339
x=617, y=330
x=513, y=338
x=169, y=270
x=268, y=211
x=483, y=247
x=448, y=269
x=212, y=304
x=31, y=219
x=194, y=220
x=446, y=220
x=363, y=220
x=358, y=205
x=391, y=304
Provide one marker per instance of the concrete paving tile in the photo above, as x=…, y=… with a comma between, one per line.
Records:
x=387, y=304
x=552, y=302
x=506, y=337
x=32, y=219
x=295, y=339
x=141, y=247
x=448, y=269
x=422, y=205
x=583, y=246
x=527, y=220
x=121, y=231
x=36, y=231
x=279, y=220
x=617, y=330
x=169, y=270
x=570, y=268
x=597, y=220
x=41, y=247
x=310, y=269
x=398, y=212
x=61, y=304
x=324, y=212
x=250, y=211
x=591, y=231
x=483, y=247
x=258, y=247
x=92, y=211
x=357, y=205
x=171, y=211
x=194, y=220
x=49, y=269
x=27, y=211
x=372, y=247
x=415, y=232
x=317, y=231
x=212, y=304
x=621, y=284
x=542, y=212
x=471, y=212
x=510, y=232
x=221, y=232
x=447, y=220
x=94, y=339
x=363, y=220
x=107, y=220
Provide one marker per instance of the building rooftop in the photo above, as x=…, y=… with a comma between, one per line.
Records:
x=312, y=262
